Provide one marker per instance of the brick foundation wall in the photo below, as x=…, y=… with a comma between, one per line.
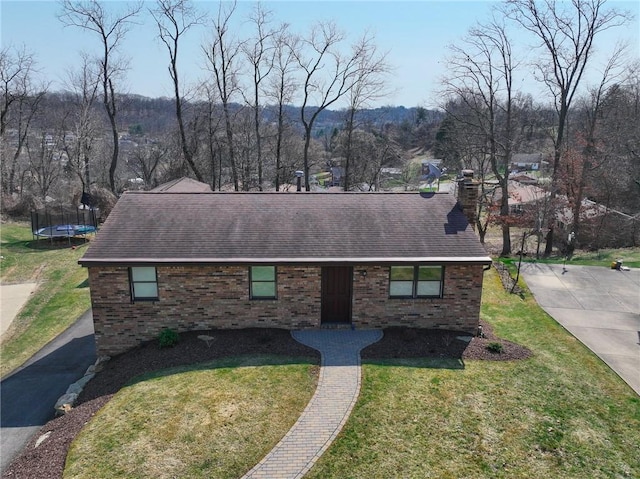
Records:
x=217, y=297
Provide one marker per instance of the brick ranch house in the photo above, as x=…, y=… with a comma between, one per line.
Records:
x=184, y=260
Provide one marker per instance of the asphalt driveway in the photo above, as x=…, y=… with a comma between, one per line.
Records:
x=29, y=393
x=598, y=305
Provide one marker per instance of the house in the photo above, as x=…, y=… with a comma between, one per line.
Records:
x=523, y=179
x=426, y=166
x=527, y=162
x=600, y=226
x=524, y=197
x=205, y=260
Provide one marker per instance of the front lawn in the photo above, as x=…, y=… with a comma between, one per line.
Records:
x=216, y=419
x=562, y=413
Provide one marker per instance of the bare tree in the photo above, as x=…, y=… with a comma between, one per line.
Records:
x=214, y=146
x=327, y=76
x=581, y=162
x=468, y=127
x=16, y=69
x=111, y=30
x=44, y=162
x=259, y=52
x=481, y=77
x=244, y=131
x=370, y=152
x=282, y=88
x=368, y=86
x=618, y=184
x=147, y=160
x=78, y=146
x=566, y=32
x=173, y=19
x=21, y=99
x=222, y=56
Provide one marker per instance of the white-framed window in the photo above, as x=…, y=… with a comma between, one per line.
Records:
x=263, y=282
x=144, y=283
x=415, y=281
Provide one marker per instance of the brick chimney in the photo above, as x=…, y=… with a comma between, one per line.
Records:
x=468, y=191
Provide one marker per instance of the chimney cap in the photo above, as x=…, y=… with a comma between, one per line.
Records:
x=467, y=173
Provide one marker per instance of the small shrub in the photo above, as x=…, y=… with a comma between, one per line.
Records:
x=496, y=348
x=168, y=338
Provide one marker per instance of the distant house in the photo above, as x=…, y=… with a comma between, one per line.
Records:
x=201, y=260
x=525, y=197
x=523, y=179
x=599, y=226
x=526, y=162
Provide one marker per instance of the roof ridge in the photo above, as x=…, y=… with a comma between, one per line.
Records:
x=318, y=193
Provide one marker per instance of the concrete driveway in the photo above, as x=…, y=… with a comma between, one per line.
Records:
x=598, y=305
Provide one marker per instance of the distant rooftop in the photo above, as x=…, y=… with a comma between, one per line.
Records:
x=183, y=185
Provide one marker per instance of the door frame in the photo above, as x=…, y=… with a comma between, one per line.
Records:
x=348, y=272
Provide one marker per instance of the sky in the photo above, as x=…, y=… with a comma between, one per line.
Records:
x=415, y=35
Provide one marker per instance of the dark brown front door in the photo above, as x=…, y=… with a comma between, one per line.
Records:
x=336, y=294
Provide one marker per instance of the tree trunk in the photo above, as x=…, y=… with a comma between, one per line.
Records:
x=232, y=159
x=279, y=145
x=115, y=153
x=347, y=160
x=186, y=151
x=307, y=142
x=506, y=230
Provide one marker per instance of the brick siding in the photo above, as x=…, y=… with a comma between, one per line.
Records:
x=217, y=297
x=458, y=309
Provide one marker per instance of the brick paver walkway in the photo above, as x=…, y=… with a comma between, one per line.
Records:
x=329, y=408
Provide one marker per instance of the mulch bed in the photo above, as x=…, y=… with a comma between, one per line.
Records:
x=508, y=283
x=399, y=343
x=46, y=461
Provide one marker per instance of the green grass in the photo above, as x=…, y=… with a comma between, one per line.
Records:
x=212, y=420
x=603, y=257
x=61, y=297
x=630, y=257
x=562, y=413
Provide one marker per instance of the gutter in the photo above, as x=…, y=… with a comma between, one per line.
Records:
x=484, y=260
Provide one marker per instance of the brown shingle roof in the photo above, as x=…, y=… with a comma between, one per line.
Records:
x=284, y=227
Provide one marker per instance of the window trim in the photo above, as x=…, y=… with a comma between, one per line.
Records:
x=274, y=281
x=416, y=281
x=132, y=284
